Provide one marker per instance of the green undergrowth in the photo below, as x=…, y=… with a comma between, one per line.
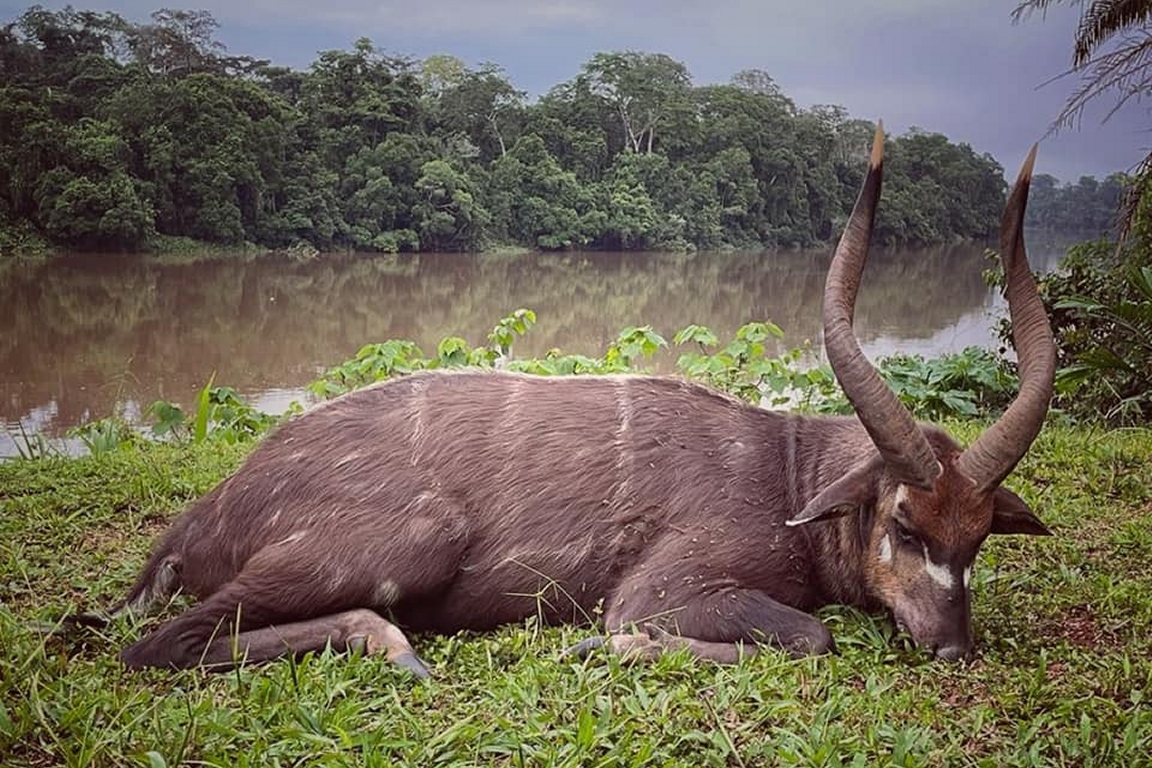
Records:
x=973, y=382
x=1062, y=675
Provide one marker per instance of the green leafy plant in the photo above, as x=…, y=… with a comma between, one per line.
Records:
x=962, y=384
x=632, y=345
x=220, y=414
x=1099, y=304
x=509, y=328
x=105, y=435
x=1116, y=357
x=744, y=368
x=966, y=383
x=372, y=363
x=32, y=446
x=396, y=357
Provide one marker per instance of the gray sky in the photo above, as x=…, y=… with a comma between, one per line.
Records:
x=961, y=68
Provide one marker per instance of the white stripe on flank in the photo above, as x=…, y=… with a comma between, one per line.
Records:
x=625, y=453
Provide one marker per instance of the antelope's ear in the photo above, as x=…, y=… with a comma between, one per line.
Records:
x=848, y=494
x=1011, y=515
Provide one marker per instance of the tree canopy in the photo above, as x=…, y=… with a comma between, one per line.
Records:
x=113, y=133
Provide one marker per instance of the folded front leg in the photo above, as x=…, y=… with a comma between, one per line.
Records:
x=712, y=620
x=646, y=646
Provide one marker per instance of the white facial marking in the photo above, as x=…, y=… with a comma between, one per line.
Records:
x=885, y=549
x=938, y=573
x=967, y=577
x=901, y=494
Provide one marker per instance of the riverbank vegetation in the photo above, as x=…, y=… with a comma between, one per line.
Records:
x=1062, y=673
x=125, y=136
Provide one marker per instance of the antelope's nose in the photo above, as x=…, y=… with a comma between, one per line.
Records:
x=953, y=652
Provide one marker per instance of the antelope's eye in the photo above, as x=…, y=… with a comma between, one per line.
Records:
x=904, y=534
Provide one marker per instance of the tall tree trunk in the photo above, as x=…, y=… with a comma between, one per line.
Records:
x=496, y=130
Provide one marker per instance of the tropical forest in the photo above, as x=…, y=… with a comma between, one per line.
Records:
x=117, y=135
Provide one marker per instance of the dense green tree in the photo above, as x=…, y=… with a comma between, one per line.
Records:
x=579, y=128
x=355, y=98
x=1088, y=207
x=648, y=91
x=481, y=105
x=447, y=215
x=112, y=133
x=380, y=186
x=89, y=200
x=177, y=43
x=539, y=202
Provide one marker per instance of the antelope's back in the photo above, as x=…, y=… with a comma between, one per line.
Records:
x=567, y=476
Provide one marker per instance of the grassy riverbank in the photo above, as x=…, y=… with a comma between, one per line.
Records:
x=1062, y=677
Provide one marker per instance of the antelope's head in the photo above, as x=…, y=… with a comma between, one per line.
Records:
x=930, y=504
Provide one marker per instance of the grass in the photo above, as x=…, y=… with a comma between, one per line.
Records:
x=1063, y=674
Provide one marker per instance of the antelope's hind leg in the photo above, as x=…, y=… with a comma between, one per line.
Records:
x=295, y=595
x=234, y=627
x=289, y=600
x=359, y=629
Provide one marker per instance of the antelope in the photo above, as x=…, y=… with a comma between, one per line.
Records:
x=685, y=518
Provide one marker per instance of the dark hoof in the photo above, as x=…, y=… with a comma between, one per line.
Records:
x=66, y=624
x=817, y=643
x=50, y=629
x=135, y=656
x=581, y=649
x=412, y=663
x=954, y=652
x=89, y=619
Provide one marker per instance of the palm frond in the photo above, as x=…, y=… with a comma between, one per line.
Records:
x=1103, y=19
x=1125, y=70
x=1099, y=22
x=1028, y=7
x=1139, y=192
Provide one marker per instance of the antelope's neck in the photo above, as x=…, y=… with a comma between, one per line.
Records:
x=824, y=453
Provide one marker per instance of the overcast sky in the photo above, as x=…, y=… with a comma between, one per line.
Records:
x=961, y=68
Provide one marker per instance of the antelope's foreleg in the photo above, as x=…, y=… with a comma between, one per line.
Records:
x=640, y=646
x=709, y=621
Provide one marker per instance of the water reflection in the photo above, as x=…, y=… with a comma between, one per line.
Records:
x=84, y=333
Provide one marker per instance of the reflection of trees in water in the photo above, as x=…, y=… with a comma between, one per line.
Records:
x=83, y=332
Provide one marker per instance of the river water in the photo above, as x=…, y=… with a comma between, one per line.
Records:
x=84, y=336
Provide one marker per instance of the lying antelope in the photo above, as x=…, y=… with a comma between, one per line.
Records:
x=465, y=500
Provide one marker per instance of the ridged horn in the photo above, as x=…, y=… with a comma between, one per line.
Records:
x=894, y=432
x=995, y=453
